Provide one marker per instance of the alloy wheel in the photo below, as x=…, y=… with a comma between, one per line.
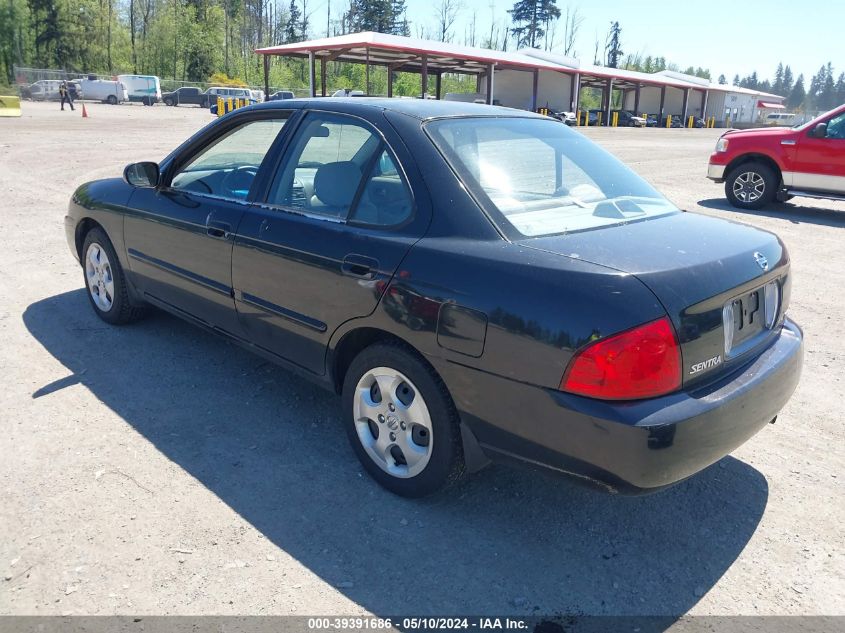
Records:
x=98, y=272
x=393, y=422
x=749, y=186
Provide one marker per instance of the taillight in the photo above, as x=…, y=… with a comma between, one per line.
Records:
x=642, y=362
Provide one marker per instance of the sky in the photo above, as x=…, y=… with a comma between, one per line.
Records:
x=728, y=38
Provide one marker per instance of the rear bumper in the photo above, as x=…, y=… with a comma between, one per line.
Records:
x=716, y=172
x=635, y=446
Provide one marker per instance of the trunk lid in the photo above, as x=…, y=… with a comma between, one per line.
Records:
x=695, y=266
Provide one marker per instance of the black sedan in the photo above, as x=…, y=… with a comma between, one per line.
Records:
x=477, y=283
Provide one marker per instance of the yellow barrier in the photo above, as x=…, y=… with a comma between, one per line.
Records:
x=615, y=122
x=690, y=121
x=10, y=106
x=586, y=118
x=578, y=118
x=669, y=121
x=598, y=118
x=728, y=122
x=224, y=106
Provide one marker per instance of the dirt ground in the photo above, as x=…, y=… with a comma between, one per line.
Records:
x=155, y=469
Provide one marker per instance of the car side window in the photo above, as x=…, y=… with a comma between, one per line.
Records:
x=227, y=167
x=836, y=127
x=385, y=199
x=325, y=166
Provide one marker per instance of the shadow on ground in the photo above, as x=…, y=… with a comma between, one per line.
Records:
x=795, y=213
x=270, y=446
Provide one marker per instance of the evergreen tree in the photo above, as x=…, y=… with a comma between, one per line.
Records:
x=840, y=89
x=797, y=95
x=722, y=80
x=614, y=45
x=530, y=18
x=736, y=81
x=787, y=81
x=293, y=30
x=382, y=16
x=777, y=86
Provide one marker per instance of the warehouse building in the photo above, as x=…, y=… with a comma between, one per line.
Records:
x=530, y=79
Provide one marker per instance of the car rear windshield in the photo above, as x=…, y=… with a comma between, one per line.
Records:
x=537, y=177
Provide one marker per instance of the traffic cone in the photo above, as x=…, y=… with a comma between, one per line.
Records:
x=84, y=112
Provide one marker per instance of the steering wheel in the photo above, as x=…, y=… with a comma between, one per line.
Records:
x=237, y=182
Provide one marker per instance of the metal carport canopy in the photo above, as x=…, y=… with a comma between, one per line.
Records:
x=406, y=54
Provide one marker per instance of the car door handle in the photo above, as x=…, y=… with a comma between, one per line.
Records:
x=220, y=230
x=359, y=266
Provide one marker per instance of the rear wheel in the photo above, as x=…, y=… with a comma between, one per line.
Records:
x=750, y=186
x=111, y=100
x=106, y=281
x=401, y=421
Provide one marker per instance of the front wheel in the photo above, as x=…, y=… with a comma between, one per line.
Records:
x=111, y=100
x=106, y=281
x=401, y=421
x=750, y=186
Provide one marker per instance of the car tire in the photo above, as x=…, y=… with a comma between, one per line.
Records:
x=407, y=439
x=751, y=185
x=169, y=102
x=111, y=100
x=105, y=281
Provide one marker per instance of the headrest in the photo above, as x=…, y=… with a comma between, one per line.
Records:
x=335, y=184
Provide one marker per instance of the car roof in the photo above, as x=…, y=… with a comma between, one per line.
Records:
x=418, y=108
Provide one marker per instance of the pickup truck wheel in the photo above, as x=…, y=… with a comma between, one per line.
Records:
x=106, y=282
x=401, y=421
x=750, y=186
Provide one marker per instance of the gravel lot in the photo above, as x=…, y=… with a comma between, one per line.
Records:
x=155, y=469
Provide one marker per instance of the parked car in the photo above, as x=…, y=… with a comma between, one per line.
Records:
x=111, y=92
x=470, y=301
x=629, y=119
x=566, y=117
x=281, y=95
x=185, y=96
x=144, y=89
x=348, y=92
x=48, y=90
x=228, y=91
x=764, y=164
x=652, y=120
x=677, y=121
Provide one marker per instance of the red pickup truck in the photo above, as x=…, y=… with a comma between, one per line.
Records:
x=761, y=165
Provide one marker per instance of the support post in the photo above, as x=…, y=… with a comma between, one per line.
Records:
x=367, y=71
x=686, y=103
x=662, y=104
x=266, y=78
x=575, y=92
x=323, y=76
x=424, y=73
x=704, y=103
x=312, y=80
x=637, y=100
x=609, y=89
x=478, y=83
x=534, y=89
x=438, y=85
x=389, y=82
x=490, y=69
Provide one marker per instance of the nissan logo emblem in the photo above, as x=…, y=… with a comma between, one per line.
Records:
x=761, y=260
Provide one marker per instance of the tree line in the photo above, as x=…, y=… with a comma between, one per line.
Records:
x=214, y=40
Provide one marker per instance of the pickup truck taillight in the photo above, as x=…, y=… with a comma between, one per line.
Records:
x=643, y=362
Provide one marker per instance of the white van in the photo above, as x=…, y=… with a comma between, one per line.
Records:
x=144, y=89
x=786, y=119
x=112, y=92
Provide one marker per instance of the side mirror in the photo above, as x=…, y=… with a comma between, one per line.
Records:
x=144, y=174
x=820, y=131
